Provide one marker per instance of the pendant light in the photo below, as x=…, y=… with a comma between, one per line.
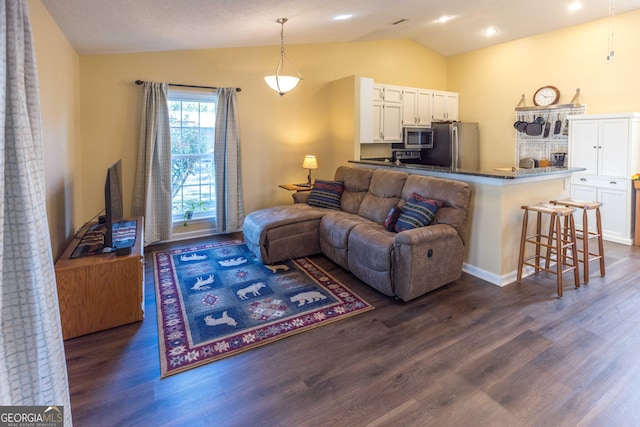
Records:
x=279, y=82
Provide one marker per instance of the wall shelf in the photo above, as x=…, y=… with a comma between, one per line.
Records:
x=549, y=107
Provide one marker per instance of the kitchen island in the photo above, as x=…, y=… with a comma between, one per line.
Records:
x=493, y=239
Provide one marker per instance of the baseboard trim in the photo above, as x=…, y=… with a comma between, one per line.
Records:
x=493, y=278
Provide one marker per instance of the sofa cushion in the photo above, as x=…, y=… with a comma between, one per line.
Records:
x=417, y=212
x=384, y=192
x=334, y=235
x=326, y=194
x=356, y=184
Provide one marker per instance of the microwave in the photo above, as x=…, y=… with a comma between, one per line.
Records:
x=418, y=138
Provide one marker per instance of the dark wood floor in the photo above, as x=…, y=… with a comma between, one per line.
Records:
x=468, y=354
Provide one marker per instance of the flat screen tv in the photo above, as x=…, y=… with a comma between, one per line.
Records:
x=112, y=201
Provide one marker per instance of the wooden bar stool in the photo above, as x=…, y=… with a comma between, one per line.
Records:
x=560, y=239
x=585, y=234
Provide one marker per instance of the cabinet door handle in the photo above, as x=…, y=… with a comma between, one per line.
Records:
x=583, y=179
x=595, y=147
x=612, y=182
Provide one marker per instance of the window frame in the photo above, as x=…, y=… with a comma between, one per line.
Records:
x=194, y=95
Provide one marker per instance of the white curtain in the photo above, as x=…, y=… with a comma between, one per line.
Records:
x=229, y=204
x=32, y=362
x=152, y=191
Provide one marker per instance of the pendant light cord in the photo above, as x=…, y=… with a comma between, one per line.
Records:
x=282, y=21
x=283, y=54
x=611, y=30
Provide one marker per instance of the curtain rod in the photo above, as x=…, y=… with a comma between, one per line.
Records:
x=139, y=82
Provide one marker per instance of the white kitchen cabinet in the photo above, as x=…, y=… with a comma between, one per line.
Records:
x=416, y=107
x=386, y=109
x=444, y=106
x=608, y=146
x=387, y=93
x=601, y=146
x=387, y=113
x=387, y=126
x=616, y=211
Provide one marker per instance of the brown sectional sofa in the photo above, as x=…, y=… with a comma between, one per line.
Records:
x=405, y=264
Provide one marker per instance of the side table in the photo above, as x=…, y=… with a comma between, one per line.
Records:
x=296, y=187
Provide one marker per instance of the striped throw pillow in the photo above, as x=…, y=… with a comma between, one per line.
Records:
x=417, y=212
x=326, y=194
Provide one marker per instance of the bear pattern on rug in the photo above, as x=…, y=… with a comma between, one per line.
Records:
x=225, y=290
x=216, y=299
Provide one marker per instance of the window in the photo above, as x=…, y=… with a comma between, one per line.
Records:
x=192, y=117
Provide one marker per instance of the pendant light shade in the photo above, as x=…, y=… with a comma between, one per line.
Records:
x=280, y=82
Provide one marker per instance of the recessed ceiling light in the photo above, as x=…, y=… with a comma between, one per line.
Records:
x=342, y=17
x=444, y=19
x=575, y=6
x=490, y=32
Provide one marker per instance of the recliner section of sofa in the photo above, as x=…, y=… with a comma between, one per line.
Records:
x=404, y=265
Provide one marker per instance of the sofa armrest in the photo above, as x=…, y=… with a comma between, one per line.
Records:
x=422, y=235
x=424, y=259
x=301, y=196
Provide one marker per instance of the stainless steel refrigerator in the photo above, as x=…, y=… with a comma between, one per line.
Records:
x=455, y=145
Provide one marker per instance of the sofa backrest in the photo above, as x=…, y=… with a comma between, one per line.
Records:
x=385, y=191
x=371, y=193
x=454, y=194
x=356, y=184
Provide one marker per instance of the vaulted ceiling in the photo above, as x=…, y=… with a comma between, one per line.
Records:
x=120, y=26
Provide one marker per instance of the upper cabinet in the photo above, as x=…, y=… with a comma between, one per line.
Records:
x=387, y=113
x=416, y=107
x=445, y=106
x=387, y=93
x=606, y=145
x=386, y=109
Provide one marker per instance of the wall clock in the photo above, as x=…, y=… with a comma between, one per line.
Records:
x=546, y=95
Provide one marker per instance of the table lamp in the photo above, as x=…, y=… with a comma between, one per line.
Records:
x=309, y=162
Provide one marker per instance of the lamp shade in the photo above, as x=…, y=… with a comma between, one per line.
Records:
x=282, y=84
x=310, y=162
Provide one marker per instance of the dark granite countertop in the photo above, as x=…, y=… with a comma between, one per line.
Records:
x=499, y=174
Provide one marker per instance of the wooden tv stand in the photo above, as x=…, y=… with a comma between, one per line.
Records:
x=99, y=292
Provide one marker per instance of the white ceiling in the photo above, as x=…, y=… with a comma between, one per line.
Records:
x=120, y=26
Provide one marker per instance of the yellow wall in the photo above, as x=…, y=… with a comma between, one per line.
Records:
x=58, y=75
x=276, y=132
x=491, y=80
x=91, y=108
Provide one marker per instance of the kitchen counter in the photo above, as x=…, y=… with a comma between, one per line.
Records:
x=499, y=173
x=493, y=240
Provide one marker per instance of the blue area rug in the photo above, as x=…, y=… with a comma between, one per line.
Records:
x=216, y=300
